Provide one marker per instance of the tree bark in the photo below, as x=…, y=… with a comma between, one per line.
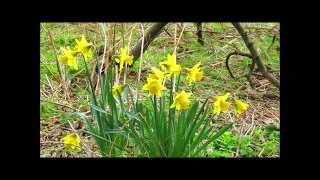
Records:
x=151, y=33
x=255, y=55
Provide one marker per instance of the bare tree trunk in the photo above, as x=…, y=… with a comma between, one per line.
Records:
x=255, y=55
x=151, y=33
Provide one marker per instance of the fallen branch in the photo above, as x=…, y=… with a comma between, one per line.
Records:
x=248, y=76
x=62, y=79
x=235, y=53
x=255, y=55
x=151, y=33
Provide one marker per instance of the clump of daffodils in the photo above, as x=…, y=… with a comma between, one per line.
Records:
x=155, y=81
x=181, y=100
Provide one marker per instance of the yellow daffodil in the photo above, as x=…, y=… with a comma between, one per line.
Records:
x=181, y=100
x=170, y=65
x=116, y=88
x=124, y=58
x=71, y=140
x=221, y=104
x=84, y=47
x=240, y=107
x=158, y=74
x=154, y=86
x=69, y=57
x=194, y=73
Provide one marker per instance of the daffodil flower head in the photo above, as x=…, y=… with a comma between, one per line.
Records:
x=240, y=107
x=194, y=73
x=154, y=86
x=124, y=58
x=170, y=65
x=158, y=74
x=220, y=104
x=71, y=141
x=119, y=88
x=84, y=47
x=69, y=57
x=181, y=100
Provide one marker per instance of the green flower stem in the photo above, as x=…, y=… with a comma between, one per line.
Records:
x=87, y=73
x=93, y=96
x=155, y=106
x=178, y=82
x=193, y=87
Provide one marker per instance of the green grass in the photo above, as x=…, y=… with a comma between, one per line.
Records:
x=48, y=110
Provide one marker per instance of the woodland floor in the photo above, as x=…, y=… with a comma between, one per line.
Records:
x=220, y=39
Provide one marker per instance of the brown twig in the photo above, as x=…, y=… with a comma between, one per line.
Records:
x=235, y=53
x=248, y=76
x=273, y=39
x=58, y=65
x=252, y=123
x=255, y=55
x=167, y=32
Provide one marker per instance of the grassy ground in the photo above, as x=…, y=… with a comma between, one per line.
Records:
x=220, y=39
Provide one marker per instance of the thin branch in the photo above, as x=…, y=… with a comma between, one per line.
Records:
x=103, y=60
x=167, y=32
x=273, y=39
x=231, y=54
x=174, y=51
x=248, y=76
x=252, y=122
x=49, y=82
x=105, y=46
x=58, y=65
x=180, y=35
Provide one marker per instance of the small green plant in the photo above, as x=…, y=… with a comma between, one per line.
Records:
x=48, y=110
x=251, y=146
